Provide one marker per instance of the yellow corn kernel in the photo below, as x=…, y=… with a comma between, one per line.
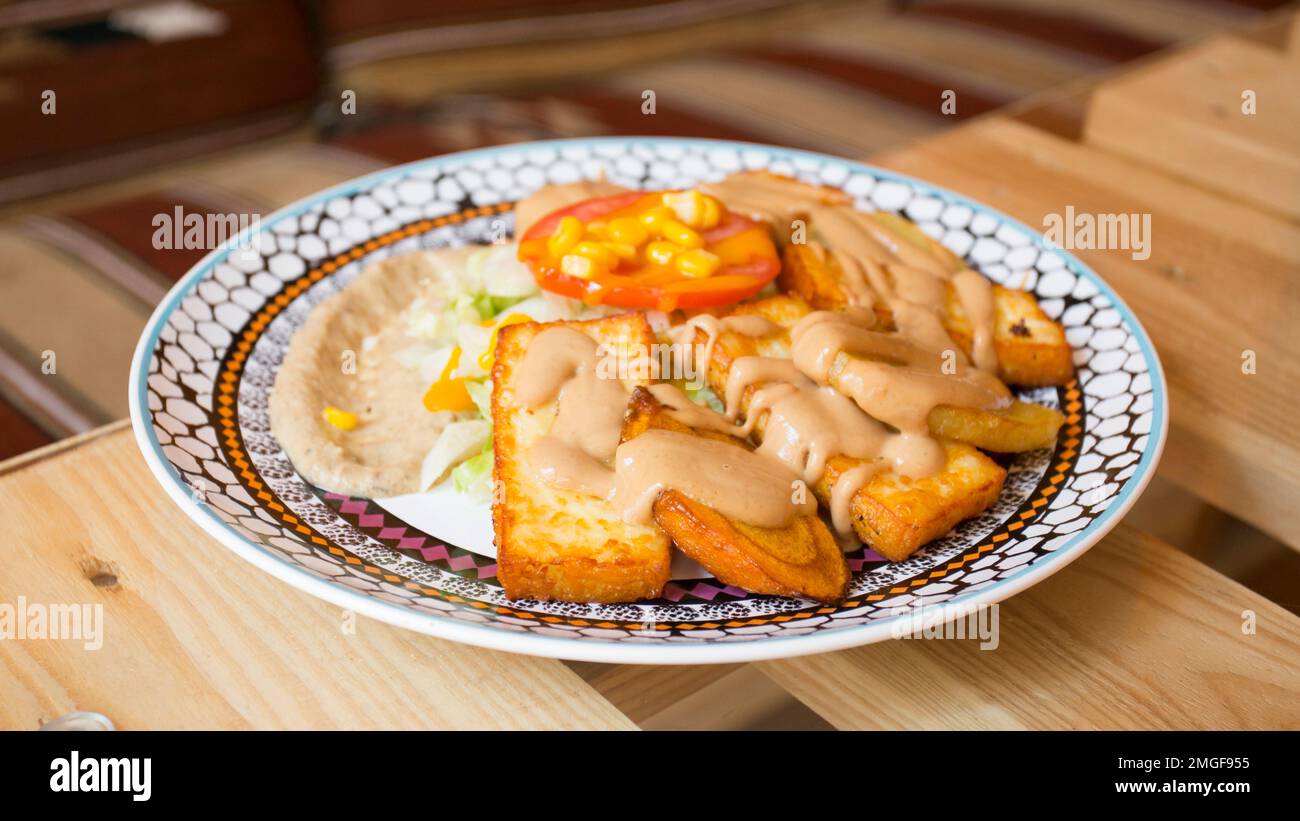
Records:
x=597, y=252
x=655, y=218
x=712, y=214
x=687, y=205
x=448, y=394
x=622, y=250
x=683, y=235
x=566, y=235
x=695, y=209
x=627, y=230
x=341, y=419
x=580, y=267
x=488, y=356
x=661, y=253
x=597, y=228
x=697, y=263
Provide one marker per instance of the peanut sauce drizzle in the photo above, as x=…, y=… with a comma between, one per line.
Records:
x=582, y=452
x=847, y=389
x=878, y=265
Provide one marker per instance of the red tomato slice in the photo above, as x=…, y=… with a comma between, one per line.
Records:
x=654, y=287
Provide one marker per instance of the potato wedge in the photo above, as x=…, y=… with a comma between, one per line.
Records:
x=895, y=516
x=802, y=559
x=1021, y=427
x=1031, y=348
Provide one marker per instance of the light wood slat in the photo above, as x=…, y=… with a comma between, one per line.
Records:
x=1135, y=634
x=641, y=692
x=1221, y=279
x=196, y=637
x=697, y=697
x=1184, y=115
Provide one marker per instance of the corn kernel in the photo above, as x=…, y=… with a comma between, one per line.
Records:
x=654, y=218
x=627, y=230
x=683, y=235
x=697, y=263
x=622, y=250
x=687, y=205
x=597, y=252
x=341, y=419
x=712, y=214
x=580, y=266
x=566, y=234
x=661, y=253
x=488, y=357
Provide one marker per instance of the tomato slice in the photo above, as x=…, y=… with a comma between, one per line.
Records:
x=748, y=255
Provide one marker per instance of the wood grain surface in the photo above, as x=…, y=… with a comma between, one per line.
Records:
x=1134, y=634
x=194, y=637
x=1223, y=114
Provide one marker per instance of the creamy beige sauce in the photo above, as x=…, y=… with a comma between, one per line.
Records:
x=680, y=407
x=891, y=378
x=876, y=410
x=775, y=200
x=738, y=483
x=554, y=197
x=753, y=325
x=845, y=488
x=582, y=451
x=881, y=268
x=976, y=298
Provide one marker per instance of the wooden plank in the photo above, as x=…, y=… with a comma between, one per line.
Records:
x=1135, y=634
x=194, y=637
x=1186, y=115
x=642, y=692
x=698, y=697
x=1220, y=281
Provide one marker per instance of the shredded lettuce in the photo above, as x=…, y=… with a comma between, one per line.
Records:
x=473, y=476
x=458, y=441
x=480, y=390
x=703, y=395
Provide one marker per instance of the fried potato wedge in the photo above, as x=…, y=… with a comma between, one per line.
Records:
x=553, y=543
x=802, y=559
x=1021, y=427
x=1031, y=348
x=893, y=515
x=896, y=516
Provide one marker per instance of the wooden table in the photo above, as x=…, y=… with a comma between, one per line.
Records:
x=1135, y=634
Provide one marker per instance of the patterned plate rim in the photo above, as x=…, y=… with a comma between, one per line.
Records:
x=579, y=647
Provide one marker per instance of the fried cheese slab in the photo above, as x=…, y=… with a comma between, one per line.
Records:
x=554, y=543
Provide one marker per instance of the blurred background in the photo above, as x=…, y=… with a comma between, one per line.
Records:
x=114, y=112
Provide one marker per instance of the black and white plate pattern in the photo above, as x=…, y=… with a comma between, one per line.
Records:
x=206, y=363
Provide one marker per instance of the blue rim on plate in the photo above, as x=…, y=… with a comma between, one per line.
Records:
x=207, y=360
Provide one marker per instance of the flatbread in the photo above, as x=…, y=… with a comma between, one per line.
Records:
x=365, y=322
